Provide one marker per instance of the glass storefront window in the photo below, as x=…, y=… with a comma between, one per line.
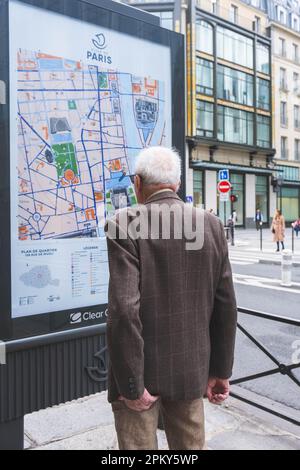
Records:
x=204, y=37
x=198, y=188
x=263, y=94
x=263, y=58
x=262, y=195
x=225, y=209
x=234, y=47
x=235, y=126
x=205, y=80
x=289, y=203
x=205, y=119
x=235, y=86
x=263, y=131
x=238, y=190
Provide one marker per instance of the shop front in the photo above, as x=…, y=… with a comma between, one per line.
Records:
x=288, y=197
x=250, y=192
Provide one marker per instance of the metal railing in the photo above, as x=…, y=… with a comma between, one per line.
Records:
x=261, y=237
x=279, y=367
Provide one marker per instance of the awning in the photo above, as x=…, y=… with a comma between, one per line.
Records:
x=222, y=166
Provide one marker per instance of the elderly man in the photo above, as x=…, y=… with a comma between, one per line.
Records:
x=171, y=317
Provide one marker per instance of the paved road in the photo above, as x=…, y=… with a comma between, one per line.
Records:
x=258, y=288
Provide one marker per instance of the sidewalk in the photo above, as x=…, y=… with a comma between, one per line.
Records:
x=247, y=242
x=87, y=424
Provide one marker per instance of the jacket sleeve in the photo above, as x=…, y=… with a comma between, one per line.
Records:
x=224, y=319
x=124, y=327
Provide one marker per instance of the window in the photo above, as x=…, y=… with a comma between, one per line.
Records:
x=280, y=13
x=235, y=126
x=205, y=80
x=290, y=198
x=297, y=150
x=215, y=7
x=257, y=24
x=166, y=18
x=263, y=94
x=234, y=47
x=262, y=195
x=263, y=131
x=289, y=173
x=282, y=47
x=263, y=58
x=234, y=14
x=235, y=86
x=204, y=37
x=205, y=119
x=283, y=114
x=284, y=149
x=283, y=83
x=296, y=52
x=296, y=116
x=198, y=188
x=296, y=82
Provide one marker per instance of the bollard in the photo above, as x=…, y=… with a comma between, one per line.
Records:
x=293, y=239
x=261, y=235
x=286, y=268
x=232, y=234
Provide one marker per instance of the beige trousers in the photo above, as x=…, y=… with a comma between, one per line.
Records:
x=183, y=422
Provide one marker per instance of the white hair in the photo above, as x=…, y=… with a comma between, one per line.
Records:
x=158, y=165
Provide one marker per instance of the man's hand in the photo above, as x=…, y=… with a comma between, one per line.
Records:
x=142, y=404
x=217, y=390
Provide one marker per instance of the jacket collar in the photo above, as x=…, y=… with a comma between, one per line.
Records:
x=162, y=196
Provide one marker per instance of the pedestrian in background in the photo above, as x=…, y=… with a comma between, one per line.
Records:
x=278, y=229
x=171, y=317
x=296, y=226
x=259, y=219
x=231, y=223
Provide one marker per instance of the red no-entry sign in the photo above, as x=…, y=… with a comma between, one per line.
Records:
x=224, y=187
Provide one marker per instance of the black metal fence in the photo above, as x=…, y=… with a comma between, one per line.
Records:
x=279, y=367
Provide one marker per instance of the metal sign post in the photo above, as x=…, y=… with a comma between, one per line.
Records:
x=224, y=188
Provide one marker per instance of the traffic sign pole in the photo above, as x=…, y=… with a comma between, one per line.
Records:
x=224, y=188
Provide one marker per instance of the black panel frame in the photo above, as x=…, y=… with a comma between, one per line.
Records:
x=117, y=17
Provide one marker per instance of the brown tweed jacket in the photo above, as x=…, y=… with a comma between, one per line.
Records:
x=172, y=313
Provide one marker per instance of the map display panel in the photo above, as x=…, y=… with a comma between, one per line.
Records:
x=80, y=128
x=83, y=105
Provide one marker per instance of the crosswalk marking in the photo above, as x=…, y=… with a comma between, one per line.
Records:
x=265, y=283
x=243, y=260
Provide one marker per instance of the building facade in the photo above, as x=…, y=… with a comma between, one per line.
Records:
x=284, y=20
x=229, y=103
x=230, y=108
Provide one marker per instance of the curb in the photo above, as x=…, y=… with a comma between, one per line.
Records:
x=277, y=263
